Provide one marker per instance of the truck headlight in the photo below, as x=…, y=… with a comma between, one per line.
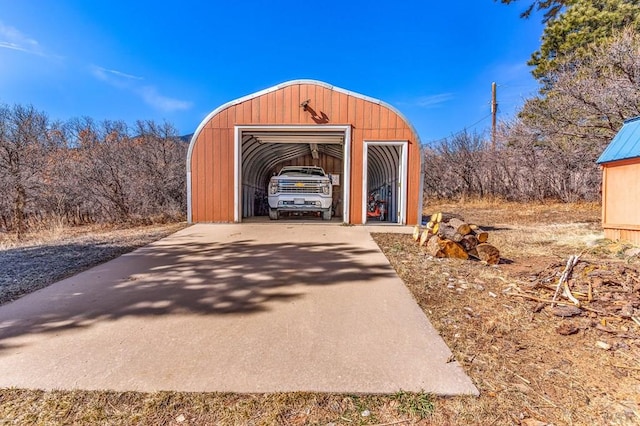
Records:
x=325, y=189
x=273, y=188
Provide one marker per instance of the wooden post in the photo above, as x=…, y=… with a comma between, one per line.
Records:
x=494, y=113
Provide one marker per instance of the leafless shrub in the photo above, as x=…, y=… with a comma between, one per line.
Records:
x=81, y=171
x=550, y=150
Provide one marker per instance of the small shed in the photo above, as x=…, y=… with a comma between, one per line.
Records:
x=620, y=163
x=365, y=144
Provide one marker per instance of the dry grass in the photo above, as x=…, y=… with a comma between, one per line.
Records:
x=524, y=369
x=49, y=255
x=19, y=406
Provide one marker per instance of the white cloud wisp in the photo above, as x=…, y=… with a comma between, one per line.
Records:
x=13, y=39
x=149, y=94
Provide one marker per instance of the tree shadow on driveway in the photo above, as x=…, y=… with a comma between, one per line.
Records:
x=203, y=278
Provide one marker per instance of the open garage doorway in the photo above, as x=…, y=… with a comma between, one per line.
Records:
x=385, y=182
x=261, y=151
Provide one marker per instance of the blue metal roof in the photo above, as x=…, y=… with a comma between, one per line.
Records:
x=625, y=144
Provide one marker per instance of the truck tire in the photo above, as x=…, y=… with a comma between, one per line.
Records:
x=326, y=215
x=273, y=214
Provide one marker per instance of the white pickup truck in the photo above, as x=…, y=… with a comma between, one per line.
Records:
x=300, y=189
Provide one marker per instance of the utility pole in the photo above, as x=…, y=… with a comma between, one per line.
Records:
x=494, y=113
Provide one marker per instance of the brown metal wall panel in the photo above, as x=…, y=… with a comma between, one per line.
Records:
x=223, y=118
x=359, y=114
x=195, y=159
x=336, y=106
x=231, y=117
x=393, y=120
x=295, y=104
x=202, y=173
x=327, y=104
x=215, y=121
x=304, y=95
x=226, y=176
x=213, y=195
x=356, y=176
x=255, y=111
x=368, y=115
x=279, y=107
x=263, y=105
x=271, y=108
x=286, y=105
x=413, y=189
x=246, y=113
x=384, y=118
x=239, y=114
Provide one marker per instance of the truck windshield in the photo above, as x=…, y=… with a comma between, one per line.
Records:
x=302, y=171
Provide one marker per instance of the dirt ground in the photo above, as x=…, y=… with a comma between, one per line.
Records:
x=534, y=364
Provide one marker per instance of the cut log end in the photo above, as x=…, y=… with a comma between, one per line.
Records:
x=424, y=237
x=488, y=253
x=482, y=236
x=416, y=233
x=440, y=247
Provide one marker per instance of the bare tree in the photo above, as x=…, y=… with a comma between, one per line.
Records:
x=23, y=149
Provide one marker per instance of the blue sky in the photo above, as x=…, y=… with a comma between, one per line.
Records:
x=177, y=61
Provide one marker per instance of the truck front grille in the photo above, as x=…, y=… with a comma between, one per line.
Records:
x=299, y=188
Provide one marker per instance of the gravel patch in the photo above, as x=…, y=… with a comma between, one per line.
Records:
x=29, y=267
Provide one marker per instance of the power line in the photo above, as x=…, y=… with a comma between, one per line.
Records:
x=459, y=132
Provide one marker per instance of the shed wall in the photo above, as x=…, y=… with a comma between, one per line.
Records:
x=212, y=178
x=621, y=200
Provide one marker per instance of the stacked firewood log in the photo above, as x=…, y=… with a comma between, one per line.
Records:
x=447, y=235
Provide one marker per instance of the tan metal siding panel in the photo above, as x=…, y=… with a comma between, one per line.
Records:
x=630, y=236
x=623, y=194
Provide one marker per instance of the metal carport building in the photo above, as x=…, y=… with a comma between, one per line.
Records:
x=366, y=143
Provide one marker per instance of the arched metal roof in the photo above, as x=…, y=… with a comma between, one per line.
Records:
x=213, y=113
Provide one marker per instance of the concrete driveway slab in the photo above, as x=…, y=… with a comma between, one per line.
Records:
x=233, y=308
